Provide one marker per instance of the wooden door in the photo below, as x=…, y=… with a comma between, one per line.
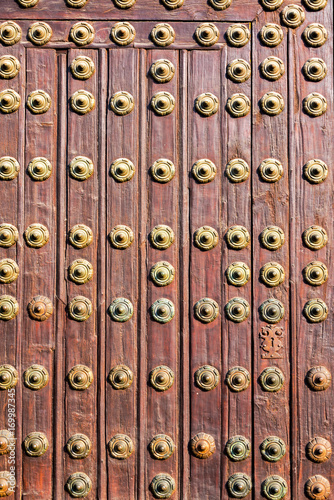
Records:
x=166, y=240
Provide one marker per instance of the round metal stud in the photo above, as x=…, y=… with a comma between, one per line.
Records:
x=120, y=377
x=80, y=236
x=36, y=444
x=10, y=33
x=80, y=271
x=9, y=168
x=123, y=33
x=163, y=103
x=162, y=273
x=121, y=310
x=80, y=308
x=271, y=379
x=237, y=170
x=317, y=488
x=162, y=310
x=315, y=171
x=220, y=4
x=161, y=447
x=172, y=4
x=204, y=170
x=315, y=237
x=79, y=446
x=7, y=483
x=315, y=311
x=315, y=4
x=122, y=103
x=7, y=442
x=9, y=271
x=207, y=34
x=272, y=311
x=76, y=3
x=82, y=102
x=293, y=16
x=81, y=168
x=78, y=485
x=238, y=274
x=205, y=238
x=271, y=35
x=272, y=68
x=239, y=485
x=36, y=377
x=238, y=448
x=82, y=67
x=272, y=237
x=40, y=308
x=206, y=310
x=80, y=377
x=315, y=69
x=319, y=450
x=122, y=170
x=315, y=273
x=9, y=307
x=121, y=446
x=272, y=103
x=162, y=170
x=162, y=486
x=202, y=445
x=162, y=70
x=40, y=33
x=274, y=488
x=238, y=379
x=272, y=449
x=121, y=237
x=9, y=67
x=27, y=3
x=237, y=237
x=8, y=375
x=271, y=4
x=315, y=104
x=238, y=70
x=162, y=237
x=315, y=35
x=163, y=34
x=39, y=169
x=271, y=170
x=124, y=4
x=272, y=274
x=36, y=235
x=8, y=235
x=238, y=35
x=207, y=377
x=82, y=33
x=237, y=310
x=9, y=101
x=238, y=105
x=161, y=378
x=38, y=102
x=318, y=378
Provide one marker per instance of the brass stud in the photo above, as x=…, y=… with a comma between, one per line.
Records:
x=202, y=445
x=39, y=169
x=80, y=377
x=315, y=35
x=207, y=34
x=10, y=33
x=7, y=442
x=315, y=237
x=274, y=487
x=272, y=311
x=162, y=486
x=271, y=379
x=121, y=310
x=9, y=307
x=271, y=35
x=173, y=4
x=293, y=16
x=317, y=488
x=315, y=69
x=38, y=102
x=272, y=237
x=315, y=171
x=237, y=170
x=163, y=34
x=9, y=67
x=80, y=308
x=163, y=103
x=81, y=168
x=314, y=104
x=271, y=4
x=9, y=101
x=80, y=271
x=36, y=444
x=315, y=310
x=122, y=170
x=238, y=274
x=237, y=309
x=77, y=4
x=9, y=168
x=82, y=33
x=239, y=485
x=9, y=271
x=40, y=33
x=271, y=170
x=162, y=70
x=7, y=483
x=238, y=70
x=204, y=171
x=80, y=236
x=78, y=485
x=272, y=274
x=121, y=446
x=121, y=237
x=82, y=67
x=123, y=33
x=28, y=3
x=8, y=235
x=238, y=448
x=206, y=310
x=272, y=68
x=238, y=105
x=122, y=103
x=162, y=310
x=162, y=170
x=319, y=450
x=220, y=4
x=238, y=35
x=161, y=378
x=79, y=446
x=36, y=377
x=162, y=273
x=315, y=4
x=205, y=238
x=237, y=237
x=161, y=447
x=8, y=375
x=120, y=377
x=36, y=235
x=207, y=377
x=82, y=102
x=272, y=449
x=318, y=378
x=206, y=104
x=272, y=103
x=124, y=4
x=238, y=379
x=40, y=308
x=162, y=237
x=315, y=273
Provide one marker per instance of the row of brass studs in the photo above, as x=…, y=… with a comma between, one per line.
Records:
x=127, y=4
